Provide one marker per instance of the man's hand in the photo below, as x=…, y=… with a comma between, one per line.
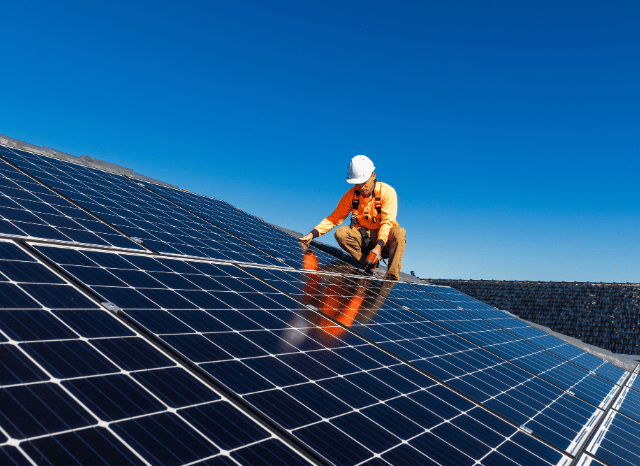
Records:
x=306, y=238
x=377, y=250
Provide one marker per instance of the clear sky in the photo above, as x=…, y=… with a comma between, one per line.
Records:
x=509, y=129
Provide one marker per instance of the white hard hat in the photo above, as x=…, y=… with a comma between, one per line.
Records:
x=360, y=169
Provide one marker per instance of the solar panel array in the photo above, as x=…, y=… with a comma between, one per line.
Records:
x=80, y=386
x=159, y=224
x=29, y=209
x=249, y=228
x=527, y=332
x=145, y=325
x=421, y=333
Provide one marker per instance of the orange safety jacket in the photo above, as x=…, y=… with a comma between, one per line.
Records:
x=367, y=214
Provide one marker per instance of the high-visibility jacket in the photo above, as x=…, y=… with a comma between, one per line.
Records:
x=368, y=216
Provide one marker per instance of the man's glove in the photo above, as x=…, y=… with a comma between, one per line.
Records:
x=377, y=251
x=306, y=238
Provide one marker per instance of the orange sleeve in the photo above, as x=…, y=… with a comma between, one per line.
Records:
x=338, y=216
x=389, y=212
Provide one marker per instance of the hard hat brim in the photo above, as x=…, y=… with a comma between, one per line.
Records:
x=357, y=180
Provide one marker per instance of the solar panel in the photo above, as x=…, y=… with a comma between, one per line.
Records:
x=249, y=228
x=550, y=413
x=77, y=386
x=535, y=336
x=345, y=398
x=161, y=225
x=616, y=440
x=29, y=209
x=553, y=367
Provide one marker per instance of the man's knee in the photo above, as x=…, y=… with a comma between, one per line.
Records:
x=399, y=234
x=340, y=234
x=343, y=234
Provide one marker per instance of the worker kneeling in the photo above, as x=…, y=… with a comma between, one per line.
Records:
x=374, y=231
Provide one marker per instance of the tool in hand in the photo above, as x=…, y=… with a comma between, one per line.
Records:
x=371, y=262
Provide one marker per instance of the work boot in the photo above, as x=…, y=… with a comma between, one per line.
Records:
x=389, y=276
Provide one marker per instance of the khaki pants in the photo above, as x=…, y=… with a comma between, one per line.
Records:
x=350, y=240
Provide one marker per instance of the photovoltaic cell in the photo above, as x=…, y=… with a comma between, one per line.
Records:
x=79, y=387
x=140, y=213
x=27, y=208
x=327, y=388
x=535, y=336
x=360, y=304
x=250, y=229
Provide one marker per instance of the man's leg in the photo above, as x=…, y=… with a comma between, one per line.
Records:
x=395, y=246
x=350, y=240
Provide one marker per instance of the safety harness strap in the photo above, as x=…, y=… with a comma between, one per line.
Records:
x=377, y=201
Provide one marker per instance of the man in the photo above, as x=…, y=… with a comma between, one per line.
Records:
x=373, y=206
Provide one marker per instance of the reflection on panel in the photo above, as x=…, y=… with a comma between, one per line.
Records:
x=361, y=304
x=587, y=460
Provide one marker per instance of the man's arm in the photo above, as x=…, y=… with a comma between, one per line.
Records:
x=388, y=214
x=338, y=216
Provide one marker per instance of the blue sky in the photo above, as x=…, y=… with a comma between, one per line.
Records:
x=510, y=130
